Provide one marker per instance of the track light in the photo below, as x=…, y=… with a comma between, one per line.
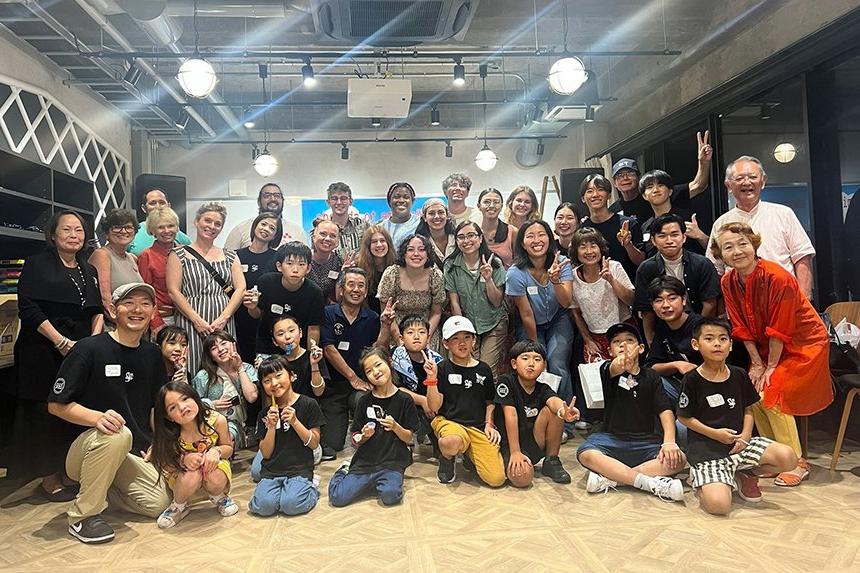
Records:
x=486, y=159
x=344, y=151
x=265, y=164
x=589, y=114
x=308, y=78
x=449, y=150
x=567, y=75
x=182, y=119
x=764, y=112
x=434, y=117
x=132, y=74
x=197, y=78
x=375, y=122
x=459, y=74
x=540, y=148
x=248, y=118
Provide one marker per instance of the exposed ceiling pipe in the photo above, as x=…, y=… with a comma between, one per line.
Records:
x=234, y=9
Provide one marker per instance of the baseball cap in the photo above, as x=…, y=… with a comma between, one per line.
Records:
x=624, y=164
x=456, y=324
x=125, y=290
x=616, y=329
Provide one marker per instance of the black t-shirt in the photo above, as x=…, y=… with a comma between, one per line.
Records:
x=255, y=265
x=383, y=450
x=509, y=392
x=609, y=229
x=306, y=304
x=700, y=278
x=640, y=208
x=717, y=405
x=421, y=375
x=630, y=405
x=102, y=374
x=303, y=372
x=673, y=345
x=290, y=457
x=466, y=391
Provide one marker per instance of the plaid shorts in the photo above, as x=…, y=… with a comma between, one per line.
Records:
x=723, y=470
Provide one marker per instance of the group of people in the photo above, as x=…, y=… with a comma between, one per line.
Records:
x=458, y=328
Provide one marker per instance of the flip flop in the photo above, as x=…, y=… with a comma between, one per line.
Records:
x=787, y=479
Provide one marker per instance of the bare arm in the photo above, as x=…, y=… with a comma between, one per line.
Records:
x=512, y=428
x=75, y=413
x=238, y=279
x=435, y=318
x=454, y=301
x=434, y=398
x=494, y=294
x=173, y=279
x=803, y=272
x=667, y=421
x=563, y=292
x=336, y=361
x=527, y=316
x=649, y=319
x=709, y=307
x=704, y=154
x=101, y=261
x=635, y=254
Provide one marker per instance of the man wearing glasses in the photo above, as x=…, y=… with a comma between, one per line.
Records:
x=783, y=239
x=351, y=227
x=270, y=199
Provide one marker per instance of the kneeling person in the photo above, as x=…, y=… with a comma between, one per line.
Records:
x=629, y=451
x=531, y=417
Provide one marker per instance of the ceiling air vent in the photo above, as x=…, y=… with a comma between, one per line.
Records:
x=393, y=22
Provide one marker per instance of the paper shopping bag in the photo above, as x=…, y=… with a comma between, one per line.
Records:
x=592, y=387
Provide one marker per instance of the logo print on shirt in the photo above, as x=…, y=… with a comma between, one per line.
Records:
x=683, y=401
x=59, y=385
x=502, y=390
x=338, y=329
x=129, y=376
x=531, y=412
x=480, y=379
x=287, y=309
x=731, y=402
x=254, y=268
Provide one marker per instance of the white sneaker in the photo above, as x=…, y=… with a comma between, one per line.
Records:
x=317, y=455
x=668, y=489
x=226, y=506
x=598, y=484
x=582, y=425
x=171, y=516
x=344, y=467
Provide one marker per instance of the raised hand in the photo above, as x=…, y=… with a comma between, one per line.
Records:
x=349, y=261
x=251, y=297
x=693, y=230
x=570, y=413
x=288, y=415
x=234, y=362
x=486, y=269
x=430, y=367
x=368, y=430
x=624, y=236
x=272, y=416
x=387, y=315
x=706, y=152
x=605, y=274
x=316, y=352
x=554, y=271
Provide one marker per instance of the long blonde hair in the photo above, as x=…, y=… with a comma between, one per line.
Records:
x=533, y=215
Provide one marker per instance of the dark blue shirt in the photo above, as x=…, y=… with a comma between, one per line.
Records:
x=350, y=339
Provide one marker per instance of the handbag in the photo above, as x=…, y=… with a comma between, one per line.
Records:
x=592, y=385
x=228, y=289
x=844, y=358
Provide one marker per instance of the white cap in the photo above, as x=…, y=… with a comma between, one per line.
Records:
x=125, y=290
x=456, y=324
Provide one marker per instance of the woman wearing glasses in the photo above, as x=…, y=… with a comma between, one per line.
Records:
x=475, y=281
x=115, y=266
x=402, y=222
x=498, y=235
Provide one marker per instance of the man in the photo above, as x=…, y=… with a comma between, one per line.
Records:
x=783, y=239
x=696, y=273
x=326, y=263
x=348, y=328
x=152, y=200
x=656, y=186
x=108, y=383
x=270, y=198
x=339, y=200
x=625, y=174
x=456, y=188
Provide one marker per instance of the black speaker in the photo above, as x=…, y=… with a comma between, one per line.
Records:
x=172, y=185
x=571, y=180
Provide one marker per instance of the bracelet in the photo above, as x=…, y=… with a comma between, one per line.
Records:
x=310, y=437
x=357, y=437
x=315, y=369
x=320, y=385
x=64, y=341
x=560, y=413
x=430, y=382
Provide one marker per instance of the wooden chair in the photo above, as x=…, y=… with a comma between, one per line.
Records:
x=850, y=382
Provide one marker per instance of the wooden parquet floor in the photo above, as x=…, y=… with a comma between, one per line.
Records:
x=467, y=527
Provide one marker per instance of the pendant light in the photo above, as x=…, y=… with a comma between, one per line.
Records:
x=486, y=159
x=196, y=76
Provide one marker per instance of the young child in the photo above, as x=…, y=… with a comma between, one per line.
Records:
x=289, y=431
x=308, y=378
x=173, y=342
x=225, y=383
x=191, y=446
x=531, y=417
x=382, y=428
x=629, y=450
x=716, y=405
x=463, y=398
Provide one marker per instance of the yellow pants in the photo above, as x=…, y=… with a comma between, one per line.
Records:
x=774, y=424
x=486, y=456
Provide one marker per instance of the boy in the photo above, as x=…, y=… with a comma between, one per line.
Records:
x=463, y=399
x=287, y=293
x=629, y=450
x=531, y=417
x=716, y=405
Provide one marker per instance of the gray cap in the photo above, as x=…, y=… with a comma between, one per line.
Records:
x=624, y=164
x=125, y=290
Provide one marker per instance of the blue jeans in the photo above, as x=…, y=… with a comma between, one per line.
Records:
x=290, y=496
x=256, y=467
x=631, y=453
x=557, y=338
x=344, y=488
x=674, y=392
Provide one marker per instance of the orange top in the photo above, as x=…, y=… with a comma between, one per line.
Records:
x=770, y=305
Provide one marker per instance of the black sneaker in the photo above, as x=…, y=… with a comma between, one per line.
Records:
x=446, y=470
x=553, y=469
x=469, y=465
x=92, y=529
x=328, y=454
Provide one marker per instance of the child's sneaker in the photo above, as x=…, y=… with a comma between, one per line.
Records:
x=668, y=489
x=469, y=465
x=582, y=425
x=553, y=469
x=226, y=506
x=172, y=515
x=446, y=472
x=344, y=467
x=598, y=484
x=748, y=489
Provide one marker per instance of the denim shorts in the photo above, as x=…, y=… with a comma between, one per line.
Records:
x=629, y=452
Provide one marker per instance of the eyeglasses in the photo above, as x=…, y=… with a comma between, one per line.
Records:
x=124, y=229
x=340, y=198
x=275, y=195
x=468, y=237
x=625, y=175
x=491, y=202
x=751, y=177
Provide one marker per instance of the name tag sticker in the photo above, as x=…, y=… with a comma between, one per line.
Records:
x=244, y=268
x=646, y=236
x=343, y=345
x=277, y=309
x=455, y=379
x=532, y=290
x=333, y=274
x=113, y=369
x=715, y=400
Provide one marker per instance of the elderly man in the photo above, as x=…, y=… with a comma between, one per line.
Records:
x=783, y=239
x=152, y=200
x=456, y=189
x=351, y=228
x=270, y=198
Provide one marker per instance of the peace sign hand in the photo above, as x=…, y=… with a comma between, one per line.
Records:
x=705, y=152
x=570, y=413
x=430, y=367
x=624, y=236
x=605, y=273
x=349, y=261
x=486, y=269
x=387, y=315
x=554, y=271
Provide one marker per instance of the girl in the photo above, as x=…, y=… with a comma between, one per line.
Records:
x=498, y=234
x=521, y=207
x=289, y=432
x=381, y=433
x=307, y=378
x=191, y=447
x=375, y=254
x=475, y=281
x=566, y=223
x=437, y=225
x=225, y=383
x=173, y=342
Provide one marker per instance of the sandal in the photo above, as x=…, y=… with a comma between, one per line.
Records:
x=787, y=479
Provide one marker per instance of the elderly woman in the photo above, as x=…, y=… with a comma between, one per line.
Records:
x=163, y=225
x=521, y=207
x=402, y=222
x=499, y=235
x=115, y=266
x=58, y=303
x=437, y=226
x=205, y=282
x=787, y=342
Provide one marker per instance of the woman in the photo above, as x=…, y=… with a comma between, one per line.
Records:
x=58, y=303
x=498, y=235
x=475, y=282
x=375, y=254
x=163, y=225
x=416, y=285
x=437, y=226
x=522, y=207
x=205, y=283
x=539, y=282
x=786, y=340
x=565, y=223
x=401, y=223
x=255, y=259
x=602, y=293
x=326, y=263
x=115, y=266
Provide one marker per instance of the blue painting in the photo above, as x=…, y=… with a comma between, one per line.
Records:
x=372, y=208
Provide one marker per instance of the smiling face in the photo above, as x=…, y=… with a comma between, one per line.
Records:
x=221, y=351
x=469, y=239
x=746, y=183
x=456, y=192
x=565, y=222
x=266, y=229
x=657, y=194
x=669, y=306
x=165, y=232
x=326, y=236
x=416, y=253
x=70, y=235
x=415, y=337
x=669, y=240
x=134, y=312
x=293, y=270
x=528, y=365
x=173, y=348
x=436, y=216
x=737, y=251
x=589, y=253
x=354, y=289
x=378, y=245
x=535, y=240
x=713, y=342
x=180, y=408
x=626, y=181
x=595, y=198
x=522, y=204
x=271, y=199
x=460, y=345
x=121, y=235
x=376, y=370
x=209, y=225
x=401, y=202
x=155, y=199
x=286, y=332
x=340, y=202
x=490, y=205
x=278, y=383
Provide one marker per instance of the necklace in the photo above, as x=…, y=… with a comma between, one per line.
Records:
x=79, y=286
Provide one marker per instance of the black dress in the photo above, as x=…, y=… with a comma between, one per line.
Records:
x=68, y=299
x=254, y=265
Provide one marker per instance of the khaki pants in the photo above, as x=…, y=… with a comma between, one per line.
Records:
x=492, y=347
x=773, y=423
x=108, y=472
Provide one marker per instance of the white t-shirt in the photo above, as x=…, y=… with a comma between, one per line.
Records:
x=240, y=236
x=783, y=239
x=599, y=305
